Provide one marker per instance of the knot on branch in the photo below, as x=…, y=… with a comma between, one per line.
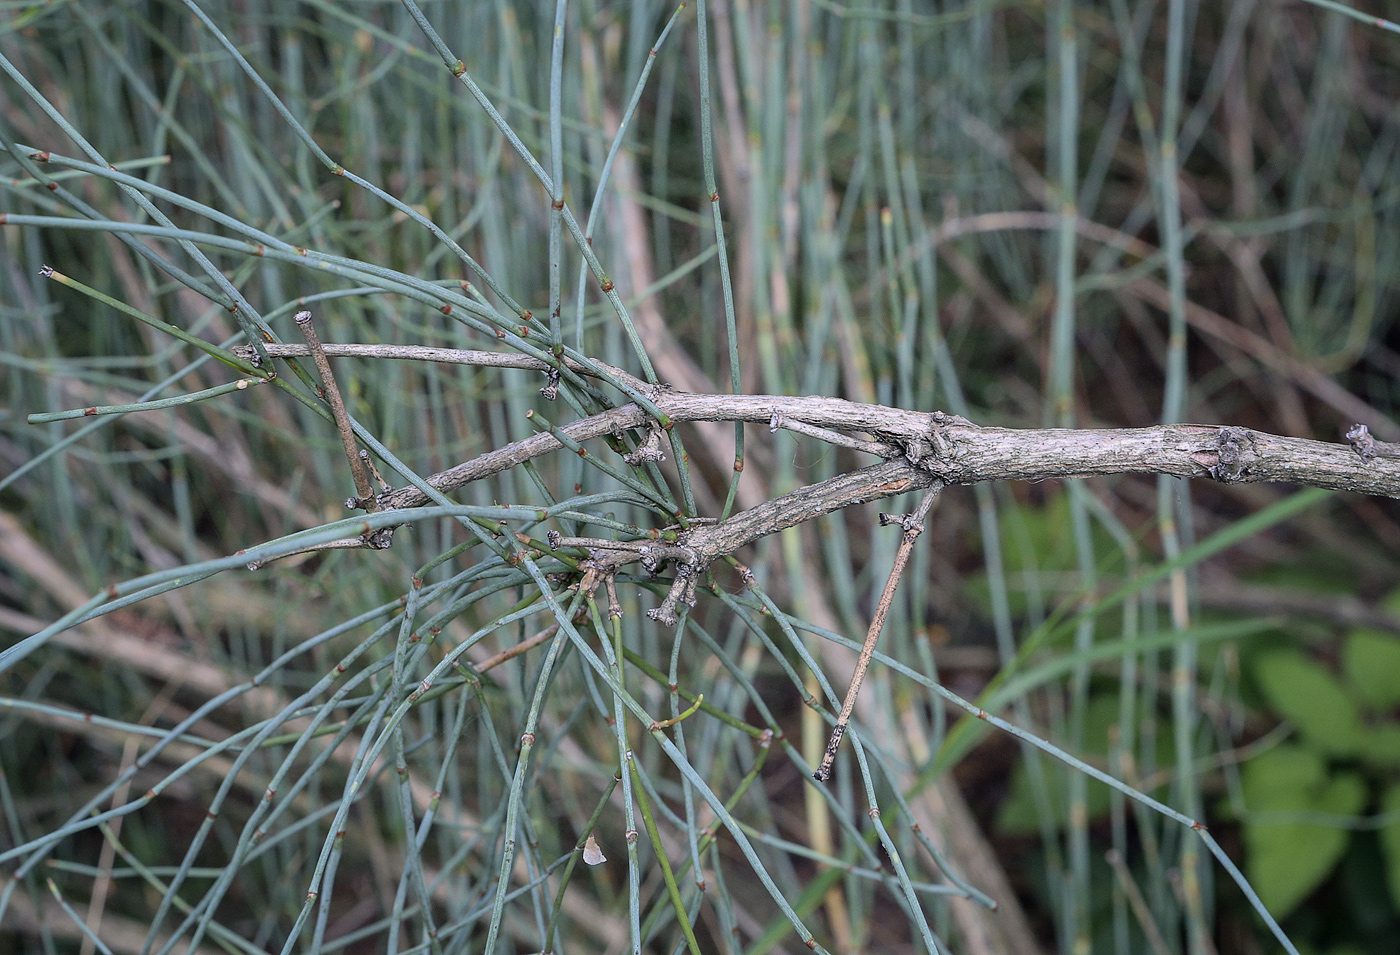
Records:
x=911, y=523
x=381, y=539
x=651, y=449
x=1362, y=442
x=918, y=450
x=1232, y=458
x=605, y=557
x=1366, y=445
x=682, y=592
x=938, y=450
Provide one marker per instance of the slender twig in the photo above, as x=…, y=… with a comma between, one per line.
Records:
x=344, y=543
x=726, y=285
x=175, y=401
x=342, y=417
x=447, y=356
x=374, y=471
x=831, y=437
x=965, y=453
x=913, y=525
x=524, y=645
x=556, y=172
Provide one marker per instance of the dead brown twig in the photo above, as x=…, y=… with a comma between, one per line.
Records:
x=913, y=525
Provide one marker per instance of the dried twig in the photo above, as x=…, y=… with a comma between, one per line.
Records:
x=913, y=525
x=342, y=418
x=920, y=448
x=970, y=454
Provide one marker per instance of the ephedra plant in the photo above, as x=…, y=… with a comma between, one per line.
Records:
x=466, y=457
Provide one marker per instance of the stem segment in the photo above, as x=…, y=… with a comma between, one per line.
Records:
x=913, y=526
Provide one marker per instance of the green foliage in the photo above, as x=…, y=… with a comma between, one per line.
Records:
x=1312, y=699
x=1371, y=662
x=1302, y=799
x=1292, y=836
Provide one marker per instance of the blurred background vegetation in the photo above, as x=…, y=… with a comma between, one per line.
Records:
x=1070, y=214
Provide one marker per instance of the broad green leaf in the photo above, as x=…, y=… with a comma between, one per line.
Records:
x=1291, y=833
x=1371, y=660
x=1381, y=746
x=1390, y=839
x=1311, y=698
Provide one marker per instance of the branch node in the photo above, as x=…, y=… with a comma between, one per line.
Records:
x=918, y=450
x=665, y=613
x=652, y=448
x=682, y=592
x=1234, y=456
x=1362, y=442
x=936, y=444
x=910, y=523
